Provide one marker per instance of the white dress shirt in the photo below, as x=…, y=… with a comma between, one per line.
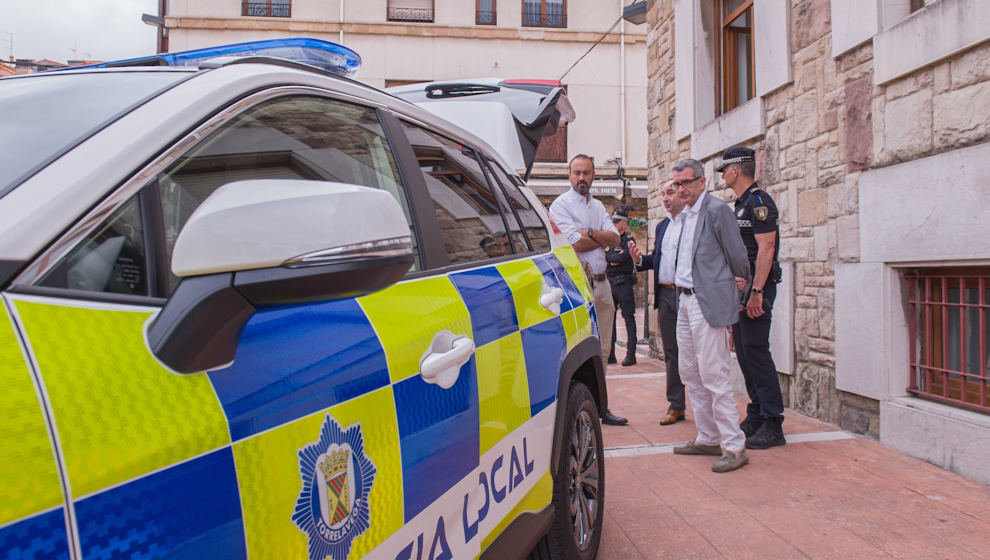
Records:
x=668, y=245
x=689, y=219
x=572, y=212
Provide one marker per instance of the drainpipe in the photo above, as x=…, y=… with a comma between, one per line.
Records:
x=622, y=85
x=341, y=22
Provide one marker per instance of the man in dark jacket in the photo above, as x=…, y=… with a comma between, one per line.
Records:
x=622, y=276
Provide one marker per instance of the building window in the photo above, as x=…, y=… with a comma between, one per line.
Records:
x=485, y=12
x=738, y=82
x=544, y=13
x=949, y=316
x=267, y=8
x=416, y=11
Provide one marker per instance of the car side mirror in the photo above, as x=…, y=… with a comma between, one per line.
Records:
x=273, y=242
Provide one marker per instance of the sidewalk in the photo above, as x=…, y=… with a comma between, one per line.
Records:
x=826, y=494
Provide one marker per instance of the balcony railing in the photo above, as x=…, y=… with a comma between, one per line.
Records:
x=485, y=17
x=416, y=15
x=540, y=19
x=266, y=9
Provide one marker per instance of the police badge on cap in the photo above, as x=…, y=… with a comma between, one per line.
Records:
x=736, y=154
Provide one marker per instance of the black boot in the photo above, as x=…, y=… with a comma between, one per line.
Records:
x=611, y=359
x=770, y=434
x=751, y=424
x=630, y=360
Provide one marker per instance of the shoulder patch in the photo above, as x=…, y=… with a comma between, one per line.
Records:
x=332, y=507
x=760, y=212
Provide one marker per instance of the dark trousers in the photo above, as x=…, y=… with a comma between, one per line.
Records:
x=667, y=319
x=622, y=295
x=752, y=341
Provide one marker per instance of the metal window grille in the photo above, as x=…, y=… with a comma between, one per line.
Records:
x=544, y=19
x=485, y=17
x=949, y=313
x=417, y=15
x=266, y=9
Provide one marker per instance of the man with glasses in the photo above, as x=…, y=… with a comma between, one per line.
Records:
x=583, y=220
x=710, y=254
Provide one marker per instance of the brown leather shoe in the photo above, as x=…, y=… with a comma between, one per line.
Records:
x=672, y=417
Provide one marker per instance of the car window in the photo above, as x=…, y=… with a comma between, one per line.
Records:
x=298, y=137
x=111, y=259
x=466, y=208
x=286, y=138
x=536, y=230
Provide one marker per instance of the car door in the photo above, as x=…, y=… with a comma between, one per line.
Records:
x=33, y=518
x=293, y=449
x=485, y=444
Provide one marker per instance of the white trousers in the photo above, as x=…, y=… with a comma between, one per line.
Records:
x=703, y=361
x=605, y=311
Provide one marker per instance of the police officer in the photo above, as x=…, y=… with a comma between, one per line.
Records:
x=756, y=215
x=622, y=275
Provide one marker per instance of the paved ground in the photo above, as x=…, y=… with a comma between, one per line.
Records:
x=826, y=494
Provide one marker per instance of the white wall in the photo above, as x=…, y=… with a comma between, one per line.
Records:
x=927, y=212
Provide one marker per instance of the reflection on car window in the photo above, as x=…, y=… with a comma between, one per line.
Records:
x=110, y=259
x=466, y=208
x=287, y=138
x=536, y=231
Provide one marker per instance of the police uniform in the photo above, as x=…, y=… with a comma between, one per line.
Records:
x=621, y=274
x=756, y=213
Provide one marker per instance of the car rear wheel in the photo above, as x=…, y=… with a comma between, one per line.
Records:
x=579, y=489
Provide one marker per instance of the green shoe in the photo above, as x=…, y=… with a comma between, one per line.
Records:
x=692, y=448
x=730, y=462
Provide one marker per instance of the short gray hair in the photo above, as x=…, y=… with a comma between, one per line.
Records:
x=693, y=164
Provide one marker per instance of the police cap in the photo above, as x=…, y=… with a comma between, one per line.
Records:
x=736, y=154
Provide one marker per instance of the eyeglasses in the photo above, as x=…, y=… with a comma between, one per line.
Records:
x=684, y=183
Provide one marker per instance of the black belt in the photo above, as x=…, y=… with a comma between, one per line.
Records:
x=685, y=291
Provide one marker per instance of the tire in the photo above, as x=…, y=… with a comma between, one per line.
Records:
x=579, y=489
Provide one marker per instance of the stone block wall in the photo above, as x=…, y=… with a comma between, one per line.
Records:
x=822, y=130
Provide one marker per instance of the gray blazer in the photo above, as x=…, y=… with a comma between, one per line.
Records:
x=719, y=256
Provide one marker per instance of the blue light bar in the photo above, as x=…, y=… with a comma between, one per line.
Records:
x=322, y=54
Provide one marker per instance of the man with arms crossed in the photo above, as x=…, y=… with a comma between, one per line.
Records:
x=661, y=260
x=583, y=220
x=709, y=255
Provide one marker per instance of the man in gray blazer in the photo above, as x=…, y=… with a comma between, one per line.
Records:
x=710, y=255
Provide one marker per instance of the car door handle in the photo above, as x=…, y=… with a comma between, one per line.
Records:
x=441, y=364
x=551, y=298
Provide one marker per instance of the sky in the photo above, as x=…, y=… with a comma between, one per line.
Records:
x=76, y=29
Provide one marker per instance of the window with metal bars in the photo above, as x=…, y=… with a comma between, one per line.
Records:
x=267, y=8
x=418, y=11
x=949, y=315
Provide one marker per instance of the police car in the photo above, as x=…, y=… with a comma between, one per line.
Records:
x=252, y=307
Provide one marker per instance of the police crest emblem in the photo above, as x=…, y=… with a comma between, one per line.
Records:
x=760, y=212
x=332, y=507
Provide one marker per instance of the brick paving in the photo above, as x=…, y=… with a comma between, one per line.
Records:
x=826, y=494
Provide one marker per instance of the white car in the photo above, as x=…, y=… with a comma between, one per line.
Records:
x=254, y=307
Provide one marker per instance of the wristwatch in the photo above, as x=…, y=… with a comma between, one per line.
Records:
x=756, y=291
x=591, y=233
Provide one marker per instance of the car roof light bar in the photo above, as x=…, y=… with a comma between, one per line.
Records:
x=325, y=55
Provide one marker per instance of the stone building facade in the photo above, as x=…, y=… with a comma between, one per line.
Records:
x=871, y=121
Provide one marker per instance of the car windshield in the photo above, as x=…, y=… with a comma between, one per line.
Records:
x=44, y=115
